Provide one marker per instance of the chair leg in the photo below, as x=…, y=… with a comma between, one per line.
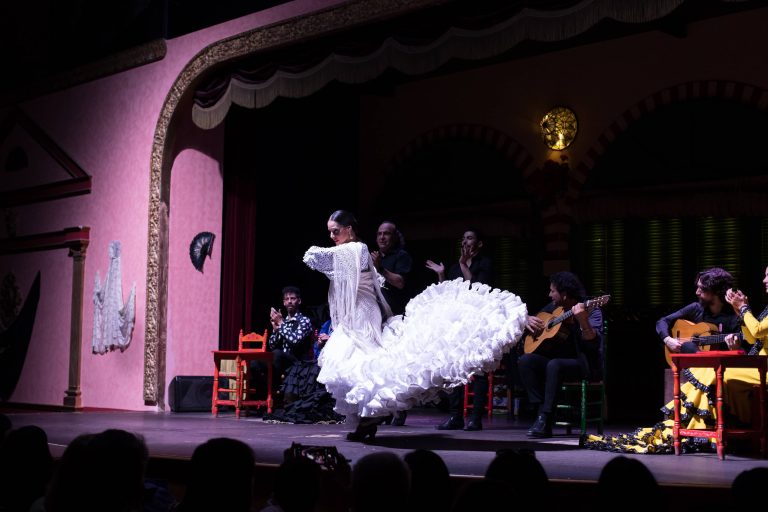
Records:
x=269, y=388
x=583, y=406
x=467, y=394
x=215, y=394
x=489, y=405
x=238, y=387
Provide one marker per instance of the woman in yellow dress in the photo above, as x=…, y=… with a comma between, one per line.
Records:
x=697, y=396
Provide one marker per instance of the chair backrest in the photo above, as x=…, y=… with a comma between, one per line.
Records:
x=252, y=342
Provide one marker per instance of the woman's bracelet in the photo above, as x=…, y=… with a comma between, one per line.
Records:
x=743, y=309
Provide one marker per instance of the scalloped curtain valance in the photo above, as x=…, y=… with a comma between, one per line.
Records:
x=419, y=46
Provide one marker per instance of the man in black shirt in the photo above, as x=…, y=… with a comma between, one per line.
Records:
x=711, y=307
x=577, y=354
x=394, y=264
x=476, y=268
x=291, y=338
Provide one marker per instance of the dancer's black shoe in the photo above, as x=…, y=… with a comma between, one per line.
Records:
x=365, y=431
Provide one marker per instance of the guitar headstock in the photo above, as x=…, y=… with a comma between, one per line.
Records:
x=597, y=302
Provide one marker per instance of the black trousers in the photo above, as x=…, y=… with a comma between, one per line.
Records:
x=543, y=376
x=479, y=388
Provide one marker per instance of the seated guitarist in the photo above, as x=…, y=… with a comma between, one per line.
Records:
x=574, y=353
x=711, y=307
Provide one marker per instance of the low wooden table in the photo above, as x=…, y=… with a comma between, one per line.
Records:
x=720, y=362
x=242, y=400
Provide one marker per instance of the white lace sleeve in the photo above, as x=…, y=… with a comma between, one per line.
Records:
x=320, y=259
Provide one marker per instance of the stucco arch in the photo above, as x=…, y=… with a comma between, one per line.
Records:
x=178, y=103
x=557, y=218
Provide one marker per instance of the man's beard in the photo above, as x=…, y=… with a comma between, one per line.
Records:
x=704, y=302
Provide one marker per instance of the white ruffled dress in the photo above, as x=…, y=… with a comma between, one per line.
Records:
x=449, y=332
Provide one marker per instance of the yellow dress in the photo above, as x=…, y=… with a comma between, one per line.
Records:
x=697, y=401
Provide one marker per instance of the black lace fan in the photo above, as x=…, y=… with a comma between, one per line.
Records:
x=201, y=246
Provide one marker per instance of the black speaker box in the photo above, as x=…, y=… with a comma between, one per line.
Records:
x=189, y=393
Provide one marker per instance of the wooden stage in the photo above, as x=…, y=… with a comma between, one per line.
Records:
x=171, y=438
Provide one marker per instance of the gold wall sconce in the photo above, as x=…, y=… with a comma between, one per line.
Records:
x=559, y=127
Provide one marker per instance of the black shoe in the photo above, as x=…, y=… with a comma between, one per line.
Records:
x=474, y=424
x=541, y=428
x=365, y=433
x=399, y=419
x=452, y=423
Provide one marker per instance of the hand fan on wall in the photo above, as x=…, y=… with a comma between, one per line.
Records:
x=201, y=246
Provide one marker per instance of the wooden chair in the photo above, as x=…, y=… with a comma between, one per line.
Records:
x=251, y=347
x=489, y=407
x=583, y=400
x=720, y=361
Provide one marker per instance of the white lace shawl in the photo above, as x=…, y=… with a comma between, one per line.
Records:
x=343, y=264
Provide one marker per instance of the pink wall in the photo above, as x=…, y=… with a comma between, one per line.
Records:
x=193, y=297
x=107, y=127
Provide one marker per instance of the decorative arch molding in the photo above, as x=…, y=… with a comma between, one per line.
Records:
x=177, y=100
x=504, y=151
x=558, y=218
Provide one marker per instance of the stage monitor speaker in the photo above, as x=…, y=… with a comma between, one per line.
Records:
x=189, y=393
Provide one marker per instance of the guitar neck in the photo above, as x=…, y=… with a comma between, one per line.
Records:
x=568, y=314
x=560, y=318
x=714, y=339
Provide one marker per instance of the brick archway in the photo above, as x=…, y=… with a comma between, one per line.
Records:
x=511, y=150
x=745, y=94
x=557, y=218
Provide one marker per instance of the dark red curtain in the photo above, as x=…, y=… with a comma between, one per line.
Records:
x=239, y=251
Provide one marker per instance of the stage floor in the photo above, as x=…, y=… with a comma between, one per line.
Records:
x=175, y=435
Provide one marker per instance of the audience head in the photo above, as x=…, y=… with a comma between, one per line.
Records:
x=304, y=473
x=747, y=488
x=377, y=471
x=430, y=481
x=623, y=476
x=713, y=282
x=100, y=472
x=389, y=238
x=219, y=454
x=519, y=470
x=343, y=227
x=26, y=467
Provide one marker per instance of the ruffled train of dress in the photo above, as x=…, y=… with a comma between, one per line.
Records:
x=449, y=332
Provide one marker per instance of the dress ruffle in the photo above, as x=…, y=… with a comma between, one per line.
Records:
x=449, y=332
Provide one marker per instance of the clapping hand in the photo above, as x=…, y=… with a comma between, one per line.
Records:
x=276, y=318
x=466, y=254
x=435, y=267
x=376, y=258
x=736, y=298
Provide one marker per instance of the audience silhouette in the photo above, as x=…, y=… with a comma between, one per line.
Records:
x=377, y=473
x=220, y=454
x=622, y=477
x=430, y=481
x=519, y=470
x=26, y=466
x=106, y=472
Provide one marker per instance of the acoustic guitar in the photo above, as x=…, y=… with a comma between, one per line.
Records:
x=553, y=321
x=703, y=334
